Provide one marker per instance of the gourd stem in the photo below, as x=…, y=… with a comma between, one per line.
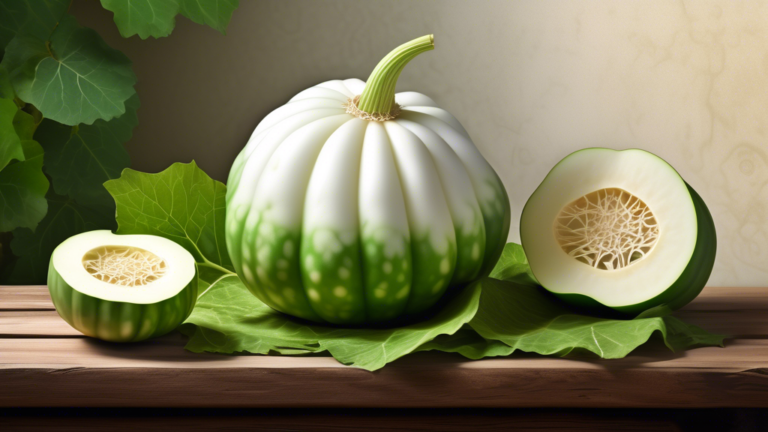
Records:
x=379, y=94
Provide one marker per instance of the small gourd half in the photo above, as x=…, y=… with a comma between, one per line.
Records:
x=122, y=288
x=354, y=205
x=618, y=231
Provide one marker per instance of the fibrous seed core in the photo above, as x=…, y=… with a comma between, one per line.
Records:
x=608, y=229
x=124, y=265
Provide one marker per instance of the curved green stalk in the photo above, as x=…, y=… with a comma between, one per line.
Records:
x=215, y=266
x=379, y=93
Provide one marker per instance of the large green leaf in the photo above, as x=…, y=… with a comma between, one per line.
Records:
x=469, y=344
x=6, y=88
x=22, y=190
x=526, y=317
x=80, y=159
x=156, y=18
x=30, y=17
x=214, y=13
x=181, y=203
x=516, y=314
x=71, y=77
x=513, y=266
x=64, y=219
x=229, y=319
x=143, y=17
x=10, y=143
x=24, y=125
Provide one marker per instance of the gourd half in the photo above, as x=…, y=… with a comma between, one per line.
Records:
x=352, y=205
x=618, y=229
x=122, y=288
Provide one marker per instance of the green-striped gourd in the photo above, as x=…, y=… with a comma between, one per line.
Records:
x=122, y=288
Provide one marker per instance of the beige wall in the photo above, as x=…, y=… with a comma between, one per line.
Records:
x=531, y=81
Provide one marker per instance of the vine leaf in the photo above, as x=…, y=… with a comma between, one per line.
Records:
x=229, y=319
x=22, y=190
x=80, y=159
x=10, y=143
x=143, y=17
x=528, y=320
x=6, y=89
x=64, y=219
x=156, y=18
x=213, y=13
x=181, y=204
x=35, y=18
x=72, y=77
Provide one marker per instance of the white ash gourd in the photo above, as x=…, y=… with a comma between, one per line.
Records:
x=355, y=205
x=618, y=231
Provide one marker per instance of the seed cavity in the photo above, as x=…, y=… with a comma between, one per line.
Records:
x=124, y=265
x=608, y=229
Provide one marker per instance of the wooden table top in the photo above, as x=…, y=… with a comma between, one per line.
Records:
x=44, y=362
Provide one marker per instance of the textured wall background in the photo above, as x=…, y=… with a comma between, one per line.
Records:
x=531, y=82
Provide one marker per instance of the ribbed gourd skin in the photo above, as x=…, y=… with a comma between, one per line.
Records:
x=119, y=321
x=340, y=220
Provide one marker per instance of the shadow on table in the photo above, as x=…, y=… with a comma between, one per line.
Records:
x=168, y=348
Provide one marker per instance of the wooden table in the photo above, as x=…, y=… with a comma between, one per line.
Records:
x=46, y=363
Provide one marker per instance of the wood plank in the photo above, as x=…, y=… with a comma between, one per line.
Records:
x=25, y=297
x=36, y=297
x=35, y=324
x=731, y=298
x=168, y=352
x=740, y=324
x=58, y=367
x=85, y=372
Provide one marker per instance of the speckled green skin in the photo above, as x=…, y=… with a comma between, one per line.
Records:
x=119, y=321
x=357, y=282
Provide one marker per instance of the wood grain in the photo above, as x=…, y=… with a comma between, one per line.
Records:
x=36, y=297
x=734, y=323
x=25, y=297
x=82, y=372
x=44, y=362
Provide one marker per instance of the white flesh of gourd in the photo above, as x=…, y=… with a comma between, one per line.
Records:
x=640, y=173
x=179, y=270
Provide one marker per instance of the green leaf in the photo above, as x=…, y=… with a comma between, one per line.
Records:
x=80, y=159
x=6, y=89
x=469, y=344
x=156, y=18
x=22, y=190
x=214, y=13
x=526, y=318
x=24, y=125
x=29, y=17
x=10, y=143
x=229, y=319
x=181, y=203
x=513, y=266
x=72, y=77
x=64, y=219
x=143, y=17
